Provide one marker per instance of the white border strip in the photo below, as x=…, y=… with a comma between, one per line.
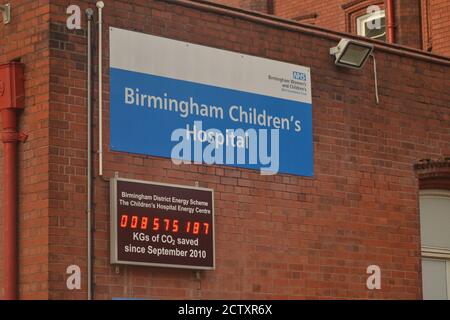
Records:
x=144, y=53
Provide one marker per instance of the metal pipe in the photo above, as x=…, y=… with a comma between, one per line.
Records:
x=390, y=21
x=89, y=14
x=100, y=5
x=10, y=206
x=11, y=78
x=375, y=73
x=427, y=17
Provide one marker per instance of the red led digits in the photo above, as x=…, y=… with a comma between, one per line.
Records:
x=196, y=228
x=144, y=223
x=123, y=221
x=134, y=222
x=175, y=226
x=155, y=224
x=168, y=225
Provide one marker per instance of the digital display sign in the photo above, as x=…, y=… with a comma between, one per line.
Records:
x=155, y=224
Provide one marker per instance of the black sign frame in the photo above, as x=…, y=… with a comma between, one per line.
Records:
x=114, y=254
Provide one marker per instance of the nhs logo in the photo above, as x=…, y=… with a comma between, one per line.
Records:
x=299, y=76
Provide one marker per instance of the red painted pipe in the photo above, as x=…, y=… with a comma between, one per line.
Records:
x=9, y=204
x=390, y=21
x=11, y=101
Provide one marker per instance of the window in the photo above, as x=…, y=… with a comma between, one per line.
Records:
x=372, y=25
x=435, y=226
x=435, y=278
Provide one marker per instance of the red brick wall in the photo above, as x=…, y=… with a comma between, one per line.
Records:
x=436, y=28
x=340, y=15
x=419, y=23
x=408, y=31
x=359, y=209
x=264, y=6
x=329, y=13
x=67, y=156
x=26, y=37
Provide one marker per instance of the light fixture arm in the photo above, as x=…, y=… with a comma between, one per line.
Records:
x=354, y=54
x=6, y=13
x=377, y=97
x=334, y=50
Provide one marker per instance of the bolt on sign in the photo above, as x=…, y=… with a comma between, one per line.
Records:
x=155, y=224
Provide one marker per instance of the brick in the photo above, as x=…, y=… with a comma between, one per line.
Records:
x=423, y=24
x=332, y=226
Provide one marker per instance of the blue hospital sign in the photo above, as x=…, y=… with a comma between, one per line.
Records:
x=197, y=104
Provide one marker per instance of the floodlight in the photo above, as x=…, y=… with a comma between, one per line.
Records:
x=351, y=53
x=354, y=54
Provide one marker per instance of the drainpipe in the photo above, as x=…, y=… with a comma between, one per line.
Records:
x=100, y=5
x=11, y=103
x=89, y=15
x=390, y=21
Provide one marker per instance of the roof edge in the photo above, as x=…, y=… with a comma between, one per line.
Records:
x=292, y=25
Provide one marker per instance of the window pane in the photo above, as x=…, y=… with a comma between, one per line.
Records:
x=434, y=277
x=435, y=221
x=375, y=29
x=372, y=25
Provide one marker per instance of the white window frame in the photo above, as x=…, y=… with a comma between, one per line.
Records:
x=362, y=20
x=447, y=267
x=435, y=253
